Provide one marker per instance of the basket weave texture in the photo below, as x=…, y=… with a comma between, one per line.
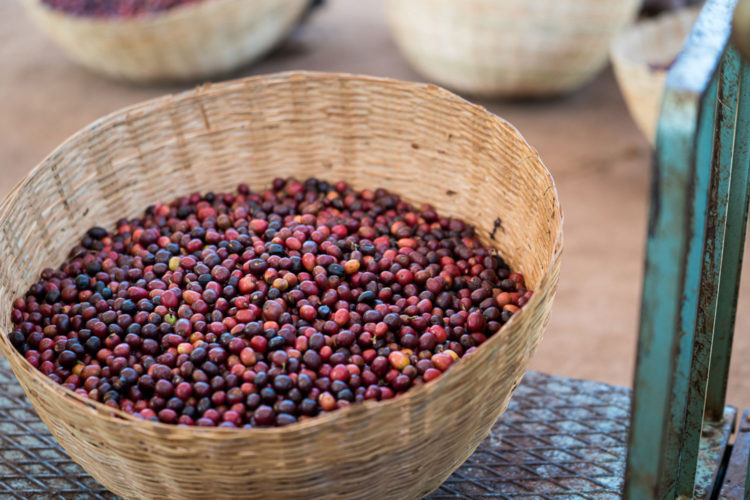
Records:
x=415, y=139
x=508, y=47
x=186, y=43
x=640, y=56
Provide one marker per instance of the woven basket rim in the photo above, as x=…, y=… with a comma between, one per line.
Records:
x=154, y=19
x=113, y=415
x=620, y=47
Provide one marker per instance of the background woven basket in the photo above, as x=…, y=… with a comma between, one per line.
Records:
x=641, y=55
x=185, y=43
x=416, y=139
x=508, y=47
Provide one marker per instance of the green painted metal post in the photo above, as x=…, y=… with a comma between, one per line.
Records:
x=670, y=291
x=739, y=197
x=667, y=348
x=722, y=168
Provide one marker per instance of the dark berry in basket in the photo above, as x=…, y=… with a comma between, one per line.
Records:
x=115, y=8
x=256, y=309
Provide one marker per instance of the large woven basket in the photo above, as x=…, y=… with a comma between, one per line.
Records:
x=641, y=56
x=508, y=47
x=191, y=42
x=416, y=139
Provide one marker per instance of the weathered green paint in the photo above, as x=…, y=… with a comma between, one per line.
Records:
x=673, y=270
x=726, y=308
x=720, y=140
x=691, y=347
x=683, y=440
x=652, y=454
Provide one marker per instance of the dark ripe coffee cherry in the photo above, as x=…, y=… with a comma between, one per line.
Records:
x=198, y=355
x=286, y=406
x=337, y=358
x=129, y=376
x=283, y=419
x=282, y=383
x=336, y=270
x=217, y=384
x=162, y=372
x=253, y=401
x=276, y=342
x=312, y=360
x=201, y=389
x=295, y=395
x=304, y=382
x=217, y=355
x=308, y=407
x=367, y=297
x=261, y=379
x=163, y=388
x=392, y=320
x=268, y=395
x=175, y=404
x=204, y=404
x=146, y=383
x=17, y=339
x=264, y=416
x=317, y=340
x=210, y=369
x=67, y=358
x=92, y=345
x=345, y=394
x=401, y=383
x=427, y=341
x=324, y=312
x=338, y=385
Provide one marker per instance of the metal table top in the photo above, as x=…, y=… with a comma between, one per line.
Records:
x=560, y=438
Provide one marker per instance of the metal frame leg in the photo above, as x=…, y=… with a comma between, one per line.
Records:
x=738, y=199
x=684, y=262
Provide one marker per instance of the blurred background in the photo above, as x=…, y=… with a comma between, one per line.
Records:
x=592, y=132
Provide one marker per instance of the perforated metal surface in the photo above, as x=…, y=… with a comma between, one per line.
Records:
x=560, y=438
x=32, y=464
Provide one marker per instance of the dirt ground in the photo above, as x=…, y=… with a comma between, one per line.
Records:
x=599, y=160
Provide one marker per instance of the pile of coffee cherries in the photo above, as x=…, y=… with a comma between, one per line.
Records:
x=258, y=309
x=114, y=8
